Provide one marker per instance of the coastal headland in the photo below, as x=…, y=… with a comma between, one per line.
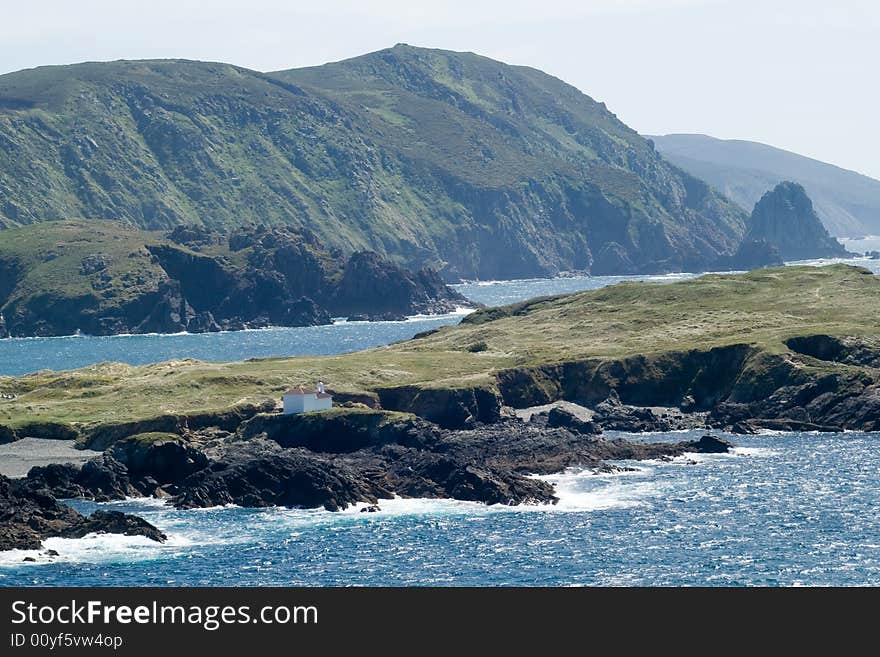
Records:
x=791, y=348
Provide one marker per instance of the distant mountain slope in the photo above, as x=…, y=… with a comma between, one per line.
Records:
x=430, y=157
x=847, y=202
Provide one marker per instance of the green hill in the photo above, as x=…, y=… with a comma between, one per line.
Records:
x=430, y=157
x=847, y=202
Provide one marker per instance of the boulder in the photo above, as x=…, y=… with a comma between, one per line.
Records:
x=61, y=479
x=105, y=478
x=113, y=522
x=102, y=479
x=709, y=444
x=163, y=457
x=558, y=417
x=290, y=478
x=7, y=435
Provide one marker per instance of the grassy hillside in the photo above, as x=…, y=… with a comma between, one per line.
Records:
x=847, y=202
x=762, y=308
x=428, y=156
x=65, y=269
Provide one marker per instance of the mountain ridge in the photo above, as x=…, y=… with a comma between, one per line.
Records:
x=477, y=168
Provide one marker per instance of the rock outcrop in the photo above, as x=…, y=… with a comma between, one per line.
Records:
x=751, y=254
x=612, y=415
x=29, y=514
x=198, y=281
x=101, y=479
x=784, y=217
x=7, y=435
x=373, y=286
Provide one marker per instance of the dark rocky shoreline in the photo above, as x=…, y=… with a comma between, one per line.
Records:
x=347, y=457
x=29, y=514
x=462, y=443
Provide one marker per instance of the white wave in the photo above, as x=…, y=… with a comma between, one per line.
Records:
x=94, y=548
x=780, y=432
x=824, y=262
x=506, y=282
x=460, y=311
x=16, y=558
x=150, y=502
x=582, y=490
x=401, y=506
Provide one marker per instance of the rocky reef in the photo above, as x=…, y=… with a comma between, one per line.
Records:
x=347, y=456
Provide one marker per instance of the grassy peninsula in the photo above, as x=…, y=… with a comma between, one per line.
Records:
x=761, y=311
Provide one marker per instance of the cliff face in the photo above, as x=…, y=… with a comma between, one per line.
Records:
x=785, y=218
x=428, y=157
x=102, y=279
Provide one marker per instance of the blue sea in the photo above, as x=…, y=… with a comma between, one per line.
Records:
x=786, y=509
x=783, y=509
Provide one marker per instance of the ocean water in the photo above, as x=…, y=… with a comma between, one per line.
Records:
x=861, y=244
x=784, y=509
x=23, y=355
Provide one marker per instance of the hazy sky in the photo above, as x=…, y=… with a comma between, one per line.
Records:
x=801, y=75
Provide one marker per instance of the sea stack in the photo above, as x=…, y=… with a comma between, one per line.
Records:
x=785, y=218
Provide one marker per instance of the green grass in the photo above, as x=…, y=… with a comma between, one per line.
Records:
x=761, y=308
x=48, y=258
x=42, y=275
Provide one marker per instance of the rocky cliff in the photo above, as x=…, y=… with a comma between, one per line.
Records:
x=784, y=217
x=103, y=279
